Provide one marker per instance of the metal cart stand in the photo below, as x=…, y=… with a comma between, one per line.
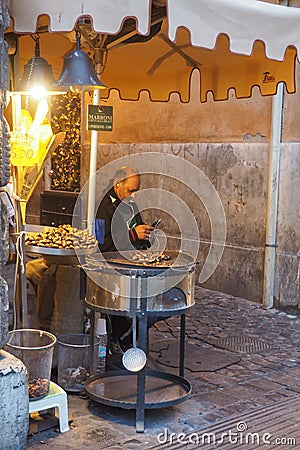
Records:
x=146, y=389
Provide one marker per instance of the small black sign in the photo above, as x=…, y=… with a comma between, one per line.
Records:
x=100, y=118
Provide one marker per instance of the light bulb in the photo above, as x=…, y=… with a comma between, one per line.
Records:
x=38, y=92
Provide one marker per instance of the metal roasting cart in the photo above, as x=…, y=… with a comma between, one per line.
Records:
x=119, y=285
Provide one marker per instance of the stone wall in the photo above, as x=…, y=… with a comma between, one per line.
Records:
x=287, y=285
x=14, y=403
x=13, y=374
x=4, y=170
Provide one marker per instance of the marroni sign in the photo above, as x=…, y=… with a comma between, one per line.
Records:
x=99, y=118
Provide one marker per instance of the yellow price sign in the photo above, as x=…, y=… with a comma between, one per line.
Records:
x=24, y=149
x=29, y=141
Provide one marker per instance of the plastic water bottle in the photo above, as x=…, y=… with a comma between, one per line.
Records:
x=102, y=335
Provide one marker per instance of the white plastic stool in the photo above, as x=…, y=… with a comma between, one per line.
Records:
x=57, y=397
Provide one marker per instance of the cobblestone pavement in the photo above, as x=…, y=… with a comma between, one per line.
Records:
x=263, y=369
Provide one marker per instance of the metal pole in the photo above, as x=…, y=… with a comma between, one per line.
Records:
x=94, y=149
x=273, y=190
x=272, y=201
x=141, y=376
x=93, y=168
x=182, y=345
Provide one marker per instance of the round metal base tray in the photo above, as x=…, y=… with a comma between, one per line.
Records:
x=59, y=255
x=119, y=388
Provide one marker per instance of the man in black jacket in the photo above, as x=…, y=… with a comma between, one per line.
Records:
x=119, y=226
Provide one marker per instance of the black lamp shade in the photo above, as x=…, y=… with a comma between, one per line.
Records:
x=36, y=72
x=78, y=73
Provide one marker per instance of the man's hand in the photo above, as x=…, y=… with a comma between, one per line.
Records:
x=143, y=231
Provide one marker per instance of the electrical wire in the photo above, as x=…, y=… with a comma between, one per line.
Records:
x=19, y=250
x=19, y=263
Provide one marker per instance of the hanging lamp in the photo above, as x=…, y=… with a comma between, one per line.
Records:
x=37, y=80
x=78, y=73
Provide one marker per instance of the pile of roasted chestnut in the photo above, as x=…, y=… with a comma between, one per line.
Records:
x=64, y=237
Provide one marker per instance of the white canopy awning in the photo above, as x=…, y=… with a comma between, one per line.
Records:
x=106, y=15
x=244, y=21
x=235, y=44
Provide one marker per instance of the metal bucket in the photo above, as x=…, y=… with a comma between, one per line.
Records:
x=35, y=349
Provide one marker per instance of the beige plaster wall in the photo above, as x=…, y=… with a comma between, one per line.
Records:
x=243, y=120
x=230, y=121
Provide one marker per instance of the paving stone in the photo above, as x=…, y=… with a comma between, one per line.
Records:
x=199, y=387
x=213, y=417
x=195, y=422
x=196, y=405
x=280, y=360
x=214, y=379
x=231, y=410
x=294, y=371
x=219, y=398
x=248, y=365
x=288, y=392
x=260, y=401
x=284, y=379
x=276, y=396
x=295, y=389
x=242, y=392
x=264, y=384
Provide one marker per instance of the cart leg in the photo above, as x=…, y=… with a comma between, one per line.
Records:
x=92, y=347
x=182, y=345
x=141, y=378
x=140, y=407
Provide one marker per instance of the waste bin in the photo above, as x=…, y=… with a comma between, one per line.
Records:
x=73, y=358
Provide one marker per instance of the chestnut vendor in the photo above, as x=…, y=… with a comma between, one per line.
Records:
x=119, y=226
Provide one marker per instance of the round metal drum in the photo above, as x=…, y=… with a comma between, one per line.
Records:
x=167, y=283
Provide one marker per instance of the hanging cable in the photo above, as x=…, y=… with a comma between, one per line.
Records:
x=19, y=249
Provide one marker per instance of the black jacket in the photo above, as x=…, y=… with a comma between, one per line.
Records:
x=117, y=223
